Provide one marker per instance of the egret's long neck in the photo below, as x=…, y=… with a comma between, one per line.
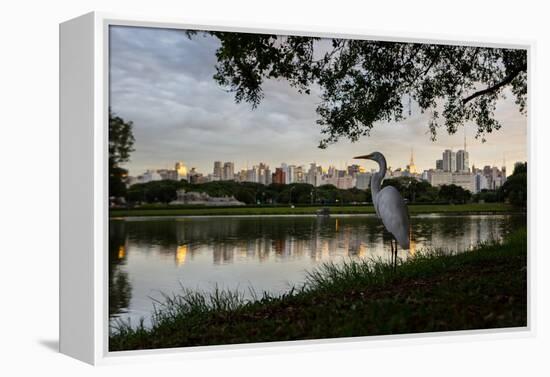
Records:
x=376, y=180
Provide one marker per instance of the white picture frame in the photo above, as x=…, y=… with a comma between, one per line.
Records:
x=84, y=187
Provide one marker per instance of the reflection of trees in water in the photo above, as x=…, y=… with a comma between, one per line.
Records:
x=262, y=238
x=458, y=233
x=120, y=290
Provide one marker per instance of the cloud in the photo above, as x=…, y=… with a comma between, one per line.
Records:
x=163, y=81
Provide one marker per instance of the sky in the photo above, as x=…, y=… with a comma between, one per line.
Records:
x=163, y=82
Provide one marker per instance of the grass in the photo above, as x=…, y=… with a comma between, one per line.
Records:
x=308, y=210
x=479, y=289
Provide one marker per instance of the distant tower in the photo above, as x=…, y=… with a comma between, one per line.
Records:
x=462, y=163
x=181, y=170
x=218, y=172
x=449, y=160
x=412, y=167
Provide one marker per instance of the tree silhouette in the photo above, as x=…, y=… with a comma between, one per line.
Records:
x=362, y=82
x=121, y=144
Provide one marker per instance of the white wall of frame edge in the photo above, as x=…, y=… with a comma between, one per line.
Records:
x=83, y=197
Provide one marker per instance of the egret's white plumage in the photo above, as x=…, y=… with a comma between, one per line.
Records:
x=388, y=203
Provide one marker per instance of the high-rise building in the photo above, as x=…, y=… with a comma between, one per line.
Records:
x=332, y=172
x=481, y=182
x=438, y=164
x=168, y=174
x=464, y=180
x=218, y=170
x=149, y=176
x=264, y=174
x=299, y=174
x=462, y=163
x=181, y=170
x=362, y=181
x=195, y=177
x=279, y=176
x=449, y=161
x=241, y=177
x=345, y=182
x=353, y=170
x=426, y=175
x=311, y=176
x=228, y=173
x=268, y=177
x=411, y=167
x=439, y=178
x=251, y=175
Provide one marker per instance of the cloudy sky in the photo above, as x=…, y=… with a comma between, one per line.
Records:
x=162, y=81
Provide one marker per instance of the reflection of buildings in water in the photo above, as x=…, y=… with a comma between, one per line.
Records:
x=363, y=250
x=347, y=241
x=247, y=249
x=223, y=253
x=457, y=235
x=289, y=248
x=278, y=246
x=412, y=246
x=355, y=247
x=265, y=248
x=325, y=249
x=319, y=240
x=121, y=252
x=181, y=254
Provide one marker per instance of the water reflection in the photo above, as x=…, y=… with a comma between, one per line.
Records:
x=150, y=256
x=120, y=291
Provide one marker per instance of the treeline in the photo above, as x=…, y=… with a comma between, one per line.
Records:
x=513, y=191
x=248, y=192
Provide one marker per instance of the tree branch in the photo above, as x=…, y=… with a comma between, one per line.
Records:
x=507, y=80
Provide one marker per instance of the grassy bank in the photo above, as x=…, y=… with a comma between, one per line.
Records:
x=479, y=289
x=358, y=209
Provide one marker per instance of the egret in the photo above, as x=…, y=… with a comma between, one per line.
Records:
x=389, y=205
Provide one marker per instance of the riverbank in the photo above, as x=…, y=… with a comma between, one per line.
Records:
x=479, y=289
x=309, y=210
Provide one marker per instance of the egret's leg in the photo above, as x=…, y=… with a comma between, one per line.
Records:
x=394, y=255
x=391, y=251
x=393, y=260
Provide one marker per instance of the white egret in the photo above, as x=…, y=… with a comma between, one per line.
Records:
x=389, y=204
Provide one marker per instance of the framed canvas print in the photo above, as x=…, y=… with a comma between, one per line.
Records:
x=234, y=187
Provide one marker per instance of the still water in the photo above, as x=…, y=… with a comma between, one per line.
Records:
x=267, y=253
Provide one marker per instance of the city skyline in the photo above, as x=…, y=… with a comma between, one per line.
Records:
x=452, y=169
x=185, y=168
x=162, y=81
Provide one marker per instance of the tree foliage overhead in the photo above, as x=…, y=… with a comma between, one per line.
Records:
x=363, y=82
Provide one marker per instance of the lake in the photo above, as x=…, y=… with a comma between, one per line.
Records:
x=148, y=256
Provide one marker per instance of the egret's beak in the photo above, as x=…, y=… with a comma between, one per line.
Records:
x=365, y=157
